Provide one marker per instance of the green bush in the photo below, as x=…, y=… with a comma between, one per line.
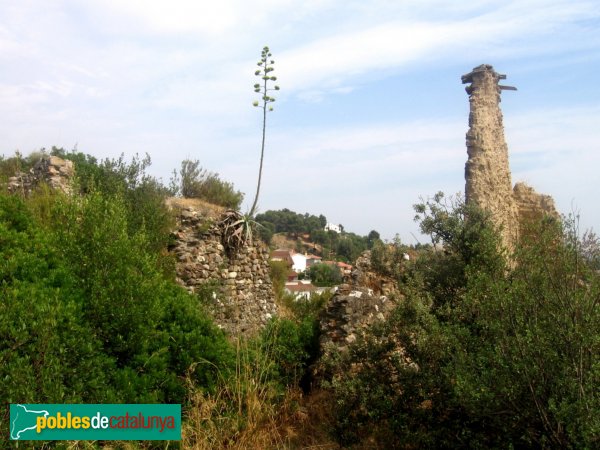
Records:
x=87, y=315
x=388, y=259
x=481, y=354
x=278, y=271
x=291, y=345
x=325, y=274
x=127, y=296
x=47, y=353
x=17, y=163
x=144, y=195
x=196, y=182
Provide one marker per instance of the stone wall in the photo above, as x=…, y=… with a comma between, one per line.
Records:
x=349, y=313
x=369, y=298
x=237, y=287
x=56, y=172
x=487, y=171
x=364, y=276
x=531, y=205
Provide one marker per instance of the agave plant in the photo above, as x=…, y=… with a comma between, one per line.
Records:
x=266, y=66
x=236, y=230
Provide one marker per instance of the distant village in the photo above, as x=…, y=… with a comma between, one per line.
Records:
x=298, y=265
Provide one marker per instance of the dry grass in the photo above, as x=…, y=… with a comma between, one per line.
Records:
x=241, y=414
x=294, y=422
x=282, y=240
x=205, y=208
x=249, y=412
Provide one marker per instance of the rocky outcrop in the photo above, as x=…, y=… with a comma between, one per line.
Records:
x=52, y=170
x=487, y=171
x=236, y=288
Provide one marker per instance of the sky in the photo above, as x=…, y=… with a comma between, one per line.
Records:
x=371, y=115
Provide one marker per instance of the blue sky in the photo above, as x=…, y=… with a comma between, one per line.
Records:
x=371, y=114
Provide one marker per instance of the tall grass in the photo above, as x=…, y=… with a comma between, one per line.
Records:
x=247, y=411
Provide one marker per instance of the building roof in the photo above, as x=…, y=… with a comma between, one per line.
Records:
x=340, y=264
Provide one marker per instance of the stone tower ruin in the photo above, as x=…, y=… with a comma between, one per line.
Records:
x=487, y=171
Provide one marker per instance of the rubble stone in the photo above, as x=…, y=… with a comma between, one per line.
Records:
x=56, y=172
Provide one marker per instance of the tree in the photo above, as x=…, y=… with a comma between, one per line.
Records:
x=191, y=173
x=373, y=237
x=325, y=274
x=266, y=67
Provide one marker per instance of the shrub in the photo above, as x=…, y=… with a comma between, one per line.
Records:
x=196, y=182
x=325, y=274
x=388, y=259
x=144, y=195
x=47, y=352
x=129, y=304
x=481, y=354
x=87, y=314
x=291, y=345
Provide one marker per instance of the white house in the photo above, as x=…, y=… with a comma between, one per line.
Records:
x=333, y=227
x=304, y=261
x=299, y=262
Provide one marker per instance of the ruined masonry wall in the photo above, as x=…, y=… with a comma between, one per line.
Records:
x=54, y=171
x=368, y=298
x=240, y=292
x=487, y=171
x=531, y=205
x=243, y=299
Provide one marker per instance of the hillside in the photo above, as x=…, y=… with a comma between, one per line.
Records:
x=308, y=233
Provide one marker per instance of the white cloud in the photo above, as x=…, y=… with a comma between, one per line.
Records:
x=331, y=61
x=174, y=79
x=557, y=151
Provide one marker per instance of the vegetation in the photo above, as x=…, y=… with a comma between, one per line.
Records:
x=345, y=247
x=388, y=259
x=279, y=273
x=88, y=314
x=286, y=221
x=91, y=313
x=195, y=182
x=266, y=67
x=481, y=355
x=325, y=274
x=18, y=163
x=484, y=351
